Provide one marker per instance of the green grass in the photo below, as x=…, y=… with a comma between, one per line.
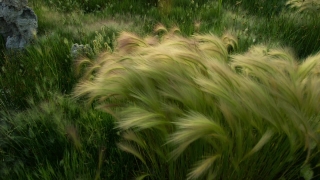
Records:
x=187, y=110
x=285, y=29
x=238, y=118
x=38, y=69
x=56, y=139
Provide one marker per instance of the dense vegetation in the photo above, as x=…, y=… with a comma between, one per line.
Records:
x=169, y=89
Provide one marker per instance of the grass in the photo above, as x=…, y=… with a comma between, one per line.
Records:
x=56, y=139
x=185, y=104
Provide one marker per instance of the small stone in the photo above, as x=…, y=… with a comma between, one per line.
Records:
x=80, y=50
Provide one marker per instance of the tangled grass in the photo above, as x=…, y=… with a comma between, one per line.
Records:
x=187, y=109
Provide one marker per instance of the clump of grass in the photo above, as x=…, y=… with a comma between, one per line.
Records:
x=130, y=44
x=57, y=139
x=187, y=110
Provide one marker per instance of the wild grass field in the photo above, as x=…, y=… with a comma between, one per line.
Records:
x=164, y=90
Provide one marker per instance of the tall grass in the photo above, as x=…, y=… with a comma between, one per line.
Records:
x=46, y=64
x=260, y=7
x=285, y=27
x=38, y=69
x=278, y=24
x=307, y=6
x=56, y=139
x=186, y=109
x=184, y=106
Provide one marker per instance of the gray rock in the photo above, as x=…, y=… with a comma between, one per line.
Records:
x=81, y=50
x=19, y=4
x=18, y=23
